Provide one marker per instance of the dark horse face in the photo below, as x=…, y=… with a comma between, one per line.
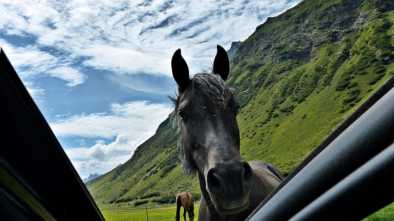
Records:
x=210, y=134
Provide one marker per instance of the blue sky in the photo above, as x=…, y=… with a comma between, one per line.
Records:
x=99, y=70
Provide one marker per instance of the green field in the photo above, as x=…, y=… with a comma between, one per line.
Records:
x=167, y=213
x=142, y=214
x=385, y=214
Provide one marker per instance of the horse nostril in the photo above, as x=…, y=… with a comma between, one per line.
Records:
x=213, y=179
x=247, y=171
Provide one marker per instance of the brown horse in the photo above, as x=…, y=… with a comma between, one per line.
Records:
x=231, y=188
x=185, y=200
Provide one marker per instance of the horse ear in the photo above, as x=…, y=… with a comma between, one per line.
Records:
x=221, y=64
x=180, y=71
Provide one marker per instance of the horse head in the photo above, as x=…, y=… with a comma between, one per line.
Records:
x=210, y=138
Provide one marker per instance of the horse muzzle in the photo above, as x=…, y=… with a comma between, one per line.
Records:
x=229, y=184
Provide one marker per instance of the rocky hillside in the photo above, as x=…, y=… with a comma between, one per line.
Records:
x=296, y=77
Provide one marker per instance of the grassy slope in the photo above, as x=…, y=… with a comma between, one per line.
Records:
x=297, y=77
x=303, y=97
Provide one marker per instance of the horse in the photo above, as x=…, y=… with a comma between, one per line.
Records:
x=210, y=143
x=185, y=200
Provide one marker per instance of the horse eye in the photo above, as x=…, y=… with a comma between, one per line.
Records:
x=196, y=146
x=182, y=114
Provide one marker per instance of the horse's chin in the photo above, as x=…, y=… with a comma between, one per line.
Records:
x=232, y=210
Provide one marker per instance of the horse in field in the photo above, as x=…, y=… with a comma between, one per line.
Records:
x=210, y=143
x=185, y=200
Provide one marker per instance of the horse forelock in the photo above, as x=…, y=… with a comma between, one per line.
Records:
x=210, y=86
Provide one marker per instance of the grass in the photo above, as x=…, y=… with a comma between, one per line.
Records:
x=166, y=213
x=385, y=214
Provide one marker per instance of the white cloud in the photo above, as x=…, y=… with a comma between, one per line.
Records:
x=71, y=75
x=101, y=157
x=129, y=124
x=31, y=62
x=138, y=36
x=28, y=60
x=126, y=60
x=36, y=92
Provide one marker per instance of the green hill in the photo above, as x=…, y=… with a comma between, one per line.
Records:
x=297, y=77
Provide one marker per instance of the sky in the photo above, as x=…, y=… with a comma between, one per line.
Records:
x=99, y=70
